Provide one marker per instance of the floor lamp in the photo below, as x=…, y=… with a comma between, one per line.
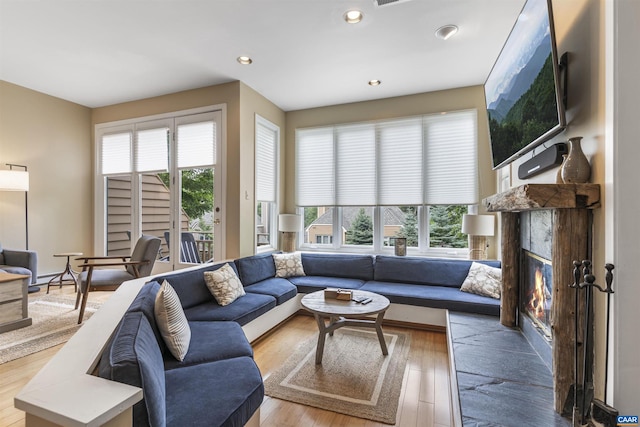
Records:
x=13, y=180
x=478, y=227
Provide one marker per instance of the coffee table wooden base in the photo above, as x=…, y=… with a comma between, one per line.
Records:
x=341, y=313
x=339, y=322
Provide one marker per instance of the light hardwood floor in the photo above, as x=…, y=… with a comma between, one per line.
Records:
x=424, y=400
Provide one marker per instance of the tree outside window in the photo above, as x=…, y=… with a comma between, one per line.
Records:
x=197, y=191
x=445, y=224
x=409, y=228
x=361, y=230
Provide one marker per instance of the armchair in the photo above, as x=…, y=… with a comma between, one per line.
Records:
x=19, y=262
x=95, y=277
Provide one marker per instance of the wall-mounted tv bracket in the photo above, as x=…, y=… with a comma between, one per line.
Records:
x=563, y=66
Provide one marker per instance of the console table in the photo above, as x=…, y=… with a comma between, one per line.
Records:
x=13, y=302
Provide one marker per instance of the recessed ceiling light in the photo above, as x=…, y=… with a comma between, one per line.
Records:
x=353, y=16
x=446, y=31
x=374, y=82
x=244, y=60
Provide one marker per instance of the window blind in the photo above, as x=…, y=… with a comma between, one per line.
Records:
x=196, y=144
x=266, y=161
x=116, y=153
x=355, y=160
x=152, y=150
x=411, y=161
x=400, y=162
x=315, y=167
x=451, y=160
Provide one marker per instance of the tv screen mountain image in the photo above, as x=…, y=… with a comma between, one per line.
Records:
x=521, y=92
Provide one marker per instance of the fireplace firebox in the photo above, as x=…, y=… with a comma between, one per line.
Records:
x=536, y=292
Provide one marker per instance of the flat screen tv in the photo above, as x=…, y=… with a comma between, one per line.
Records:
x=522, y=93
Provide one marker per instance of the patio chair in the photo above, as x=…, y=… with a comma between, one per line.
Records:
x=95, y=277
x=189, y=252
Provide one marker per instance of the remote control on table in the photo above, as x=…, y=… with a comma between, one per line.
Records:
x=366, y=301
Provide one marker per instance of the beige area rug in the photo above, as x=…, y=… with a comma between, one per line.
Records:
x=354, y=378
x=54, y=322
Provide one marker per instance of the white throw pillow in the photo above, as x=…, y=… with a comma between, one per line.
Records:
x=172, y=322
x=224, y=284
x=288, y=265
x=483, y=280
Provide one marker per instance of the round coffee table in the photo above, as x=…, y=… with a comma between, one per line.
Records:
x=346, y=313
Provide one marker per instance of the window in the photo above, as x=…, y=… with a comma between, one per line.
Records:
x=324, y=240
x=369, y=183
x=267, y=138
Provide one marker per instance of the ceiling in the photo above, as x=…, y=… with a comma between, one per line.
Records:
x=102, y=52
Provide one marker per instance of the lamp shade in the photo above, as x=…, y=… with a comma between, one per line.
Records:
x=289, y=222
x=11, y=180
x=478, y=225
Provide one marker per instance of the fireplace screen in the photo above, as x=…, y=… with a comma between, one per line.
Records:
x=536, y=291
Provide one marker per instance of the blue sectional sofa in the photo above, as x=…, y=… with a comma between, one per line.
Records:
x=178, y=393
x=220, y=356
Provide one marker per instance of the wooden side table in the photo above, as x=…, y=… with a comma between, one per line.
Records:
x=13, y=302
x=67, y=277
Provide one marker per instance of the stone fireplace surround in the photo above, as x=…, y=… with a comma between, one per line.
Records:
x=568, y=207
x=499, y=373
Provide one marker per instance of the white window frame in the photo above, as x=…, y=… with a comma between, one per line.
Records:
x=378, y=247
x=273, y=205
x=322, y=136
x=100, y=218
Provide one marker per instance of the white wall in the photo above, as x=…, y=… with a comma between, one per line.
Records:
x=52, y=138
x=623, y=152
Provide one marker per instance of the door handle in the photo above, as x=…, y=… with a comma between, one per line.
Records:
x=216, y=221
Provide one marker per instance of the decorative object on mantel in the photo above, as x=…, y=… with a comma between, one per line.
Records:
x=576, y=168
x=478, y=227
x=559, y=174
x=582, y=389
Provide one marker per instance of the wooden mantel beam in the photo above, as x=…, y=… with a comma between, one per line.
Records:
x=545, y=196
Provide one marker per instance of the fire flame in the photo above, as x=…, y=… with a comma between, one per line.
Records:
x=538, y=297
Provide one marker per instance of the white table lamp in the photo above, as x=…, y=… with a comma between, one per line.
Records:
x=478, y=227
x=289, y=225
